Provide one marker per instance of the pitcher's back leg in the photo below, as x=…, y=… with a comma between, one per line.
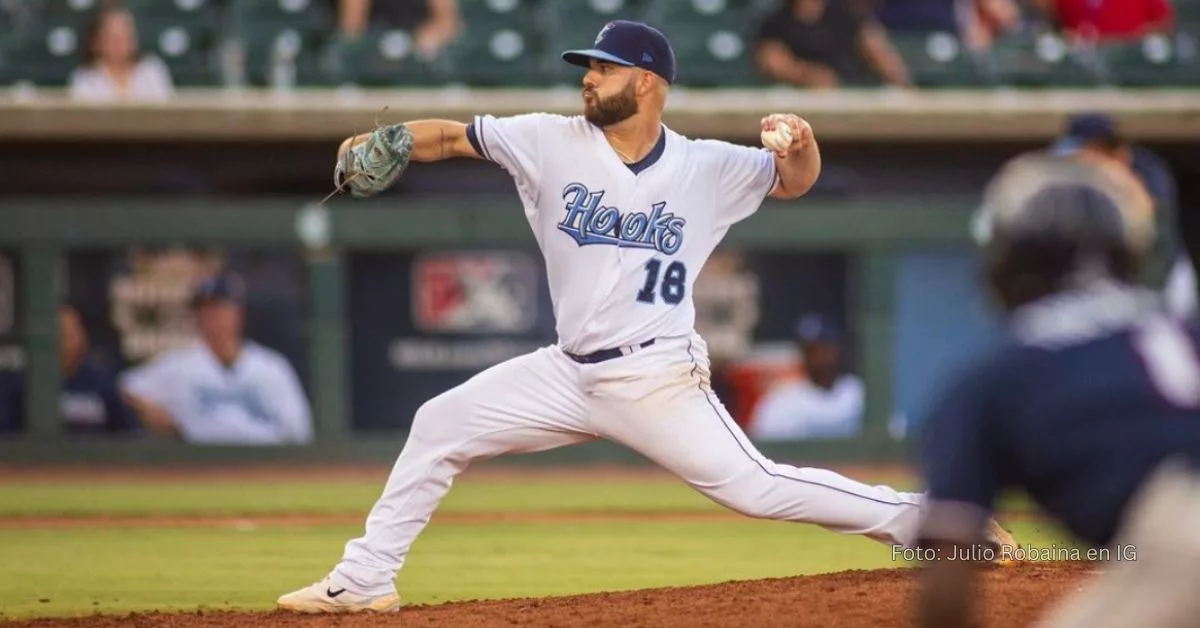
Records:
x=674, y=419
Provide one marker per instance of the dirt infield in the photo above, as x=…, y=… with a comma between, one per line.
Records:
x=1013, y=598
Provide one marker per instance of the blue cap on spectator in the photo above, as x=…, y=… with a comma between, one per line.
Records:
x=814, y=328
x=631, y=44
x=1083, y=128
x=225, y=287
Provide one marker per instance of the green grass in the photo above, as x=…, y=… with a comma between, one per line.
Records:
x=86, y=569
x=263, y=498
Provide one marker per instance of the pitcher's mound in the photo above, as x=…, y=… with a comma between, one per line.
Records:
x=1012, y=597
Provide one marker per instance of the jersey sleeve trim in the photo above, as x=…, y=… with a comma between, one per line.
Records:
x=473, y=138
x=774, y=180
x=475, y=135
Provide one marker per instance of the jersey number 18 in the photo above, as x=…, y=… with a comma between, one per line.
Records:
x=673, y=282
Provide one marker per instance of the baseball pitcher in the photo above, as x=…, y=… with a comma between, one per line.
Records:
x=626, y=212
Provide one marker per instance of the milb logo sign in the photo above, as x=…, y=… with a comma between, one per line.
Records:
x=475, y=293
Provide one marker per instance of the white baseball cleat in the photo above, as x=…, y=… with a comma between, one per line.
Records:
x=1004, y=543
x=324, y=597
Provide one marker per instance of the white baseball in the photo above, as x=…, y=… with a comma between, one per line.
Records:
x=780, y=139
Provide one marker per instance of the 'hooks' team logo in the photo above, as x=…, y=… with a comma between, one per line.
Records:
x=589, y=221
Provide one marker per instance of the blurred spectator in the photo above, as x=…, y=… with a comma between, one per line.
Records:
x=434, y=23
x=225, y=389
x=726, y=297
x=1094, y=135
x=1097, y=135
x=1103, y=21
x=113, y=68
x=826, y=404
x=88, y=400
x=978, y=23
x=823, y=44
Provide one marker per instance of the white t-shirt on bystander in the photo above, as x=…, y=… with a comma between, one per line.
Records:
x=258, y=400
x=150, y=80
x=801, y=410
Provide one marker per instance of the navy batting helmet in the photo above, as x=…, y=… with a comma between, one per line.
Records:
x=1051, y=223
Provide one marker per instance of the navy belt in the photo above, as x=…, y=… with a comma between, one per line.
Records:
x=608, y=354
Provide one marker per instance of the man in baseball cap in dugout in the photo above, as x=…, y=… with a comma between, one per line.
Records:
x=223, y=389
x=827, y=403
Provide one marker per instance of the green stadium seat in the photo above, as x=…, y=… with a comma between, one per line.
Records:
x=496, y=56
x=304, y=16
x=69, y=12
x=1187, y=12
x=45, y=54
x=570, y=24
x=264, y=42
x=207, y=11
x=1038, y=60
x=185, y=46
x=713, y=47
x=938, y=59
x=1158, y=60
x=380, y=59
x=498, y=13
x=710, y=55
x=663, y=14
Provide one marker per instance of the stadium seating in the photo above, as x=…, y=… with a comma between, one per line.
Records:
x=279, y=41
x=1154, y=61
x=1039, y=60
x=938, y=59
x=571, y=24
x=44, y=53
x=501, y=45
x=517, y=42
x=713, y=39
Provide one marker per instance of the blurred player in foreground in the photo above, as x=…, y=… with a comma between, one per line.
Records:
x=1092, y=407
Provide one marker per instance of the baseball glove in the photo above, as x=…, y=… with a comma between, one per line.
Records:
x=372, y=166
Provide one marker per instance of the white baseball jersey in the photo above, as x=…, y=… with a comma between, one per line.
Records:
x=801, y=409
x=256, y=401
x=623, y=243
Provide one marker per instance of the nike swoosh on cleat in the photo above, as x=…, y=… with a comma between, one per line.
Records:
x=332, y=593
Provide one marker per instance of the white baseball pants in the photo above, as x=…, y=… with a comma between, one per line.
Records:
x=656, y=401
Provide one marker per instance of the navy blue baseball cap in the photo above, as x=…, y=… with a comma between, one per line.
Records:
x=814, y=328
x=225, y=287
x=631, y=44
x=1083, y=128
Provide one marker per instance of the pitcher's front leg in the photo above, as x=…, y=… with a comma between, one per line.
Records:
x=530, y=403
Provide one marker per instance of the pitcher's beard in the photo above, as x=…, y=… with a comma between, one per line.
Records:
x=618, y=108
